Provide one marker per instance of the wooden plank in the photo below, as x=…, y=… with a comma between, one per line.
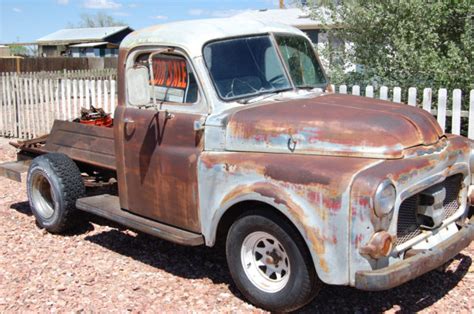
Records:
x=9, y=107
x=47, y=104
x=68, y=100
x=85, y=143
x=93, y=94
x=81, y=94
x=16, y=104
x=99, y=94
x=87, y=103
x=441, y=114
x=25, y=109
x=35, y=108
x=41, y=106
x=20, y=108
x=57, y=112
x=14, y=170
x=106, y=96
x=456, y=119
x=63, y=100
x=75, y=111
x=31, y=107
x=3, y=108
x=412, y=96
x=427, y=99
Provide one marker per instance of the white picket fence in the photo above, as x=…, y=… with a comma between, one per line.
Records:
x=448, y=104
x=30, y=104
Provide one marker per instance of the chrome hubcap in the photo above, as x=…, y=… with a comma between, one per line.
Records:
x=42, y=195
x=265, y=262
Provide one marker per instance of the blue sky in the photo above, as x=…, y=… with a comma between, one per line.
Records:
x=28, y=20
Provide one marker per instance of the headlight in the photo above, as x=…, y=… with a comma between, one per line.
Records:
x=384, y=199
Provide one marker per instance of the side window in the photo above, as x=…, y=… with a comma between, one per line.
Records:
x=168, y=79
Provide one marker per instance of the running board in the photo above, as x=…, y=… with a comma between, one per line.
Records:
x=108, y=206
x=14, y=170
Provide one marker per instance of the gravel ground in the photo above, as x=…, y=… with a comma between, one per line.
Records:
x=100, y=266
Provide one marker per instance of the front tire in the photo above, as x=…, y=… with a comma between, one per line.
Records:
x=54, y=184
x=269, y=262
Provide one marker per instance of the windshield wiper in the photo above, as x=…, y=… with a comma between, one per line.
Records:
x=310, y=87
x=266, y=94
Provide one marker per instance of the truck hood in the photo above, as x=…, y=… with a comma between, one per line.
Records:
x=338, y=125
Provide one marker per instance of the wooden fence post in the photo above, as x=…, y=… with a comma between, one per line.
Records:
x=427, y=99
x=369, y=91
x=383, y=93
x=343, y=89
x=456, y=118
x=397, y=94
x=63, y=100
x=356, y=90
x=412, y=96
x=3, y=111
x=442, y=100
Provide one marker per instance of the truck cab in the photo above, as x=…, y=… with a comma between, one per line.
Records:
x=227, y=130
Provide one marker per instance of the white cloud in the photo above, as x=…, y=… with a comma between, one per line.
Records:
x=17, y=10
x=63, y=2
x=160, y=17
x=101, y=4
x=214, y=13
x=196, y=12
x=132, y=5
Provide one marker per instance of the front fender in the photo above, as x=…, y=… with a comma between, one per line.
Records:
x=311, y=191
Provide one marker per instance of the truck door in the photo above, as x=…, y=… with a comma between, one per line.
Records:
x=158, y=147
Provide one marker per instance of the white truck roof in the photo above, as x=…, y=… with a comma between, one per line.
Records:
x=193, y=34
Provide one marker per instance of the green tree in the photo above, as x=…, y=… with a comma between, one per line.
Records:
x=18, y=50
x=96, y=20
x=401, y=43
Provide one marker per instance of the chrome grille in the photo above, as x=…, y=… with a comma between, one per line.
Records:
x=408, y=226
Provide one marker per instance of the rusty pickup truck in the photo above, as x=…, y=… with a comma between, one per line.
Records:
x=226, y=131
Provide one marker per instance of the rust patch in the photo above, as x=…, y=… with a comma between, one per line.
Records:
x=339, y=124
x=318, y=246
x=295, y=175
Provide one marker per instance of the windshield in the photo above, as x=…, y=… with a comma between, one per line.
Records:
x=301, y=61
x=246, y=67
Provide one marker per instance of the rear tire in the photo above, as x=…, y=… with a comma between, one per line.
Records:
x=54, y=184
x=270, y=263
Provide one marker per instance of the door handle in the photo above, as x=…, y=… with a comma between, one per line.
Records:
x=128, y=120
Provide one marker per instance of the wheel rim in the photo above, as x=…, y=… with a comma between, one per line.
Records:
x=42, y=195
x=265, y=262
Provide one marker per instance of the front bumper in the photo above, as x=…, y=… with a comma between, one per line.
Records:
x=412, y=267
